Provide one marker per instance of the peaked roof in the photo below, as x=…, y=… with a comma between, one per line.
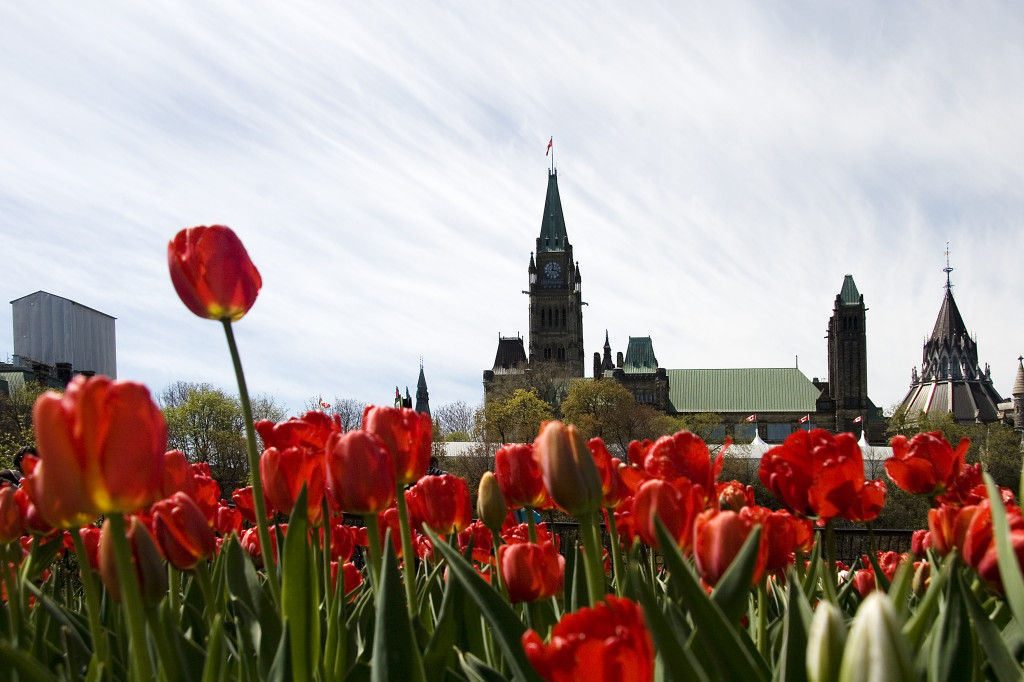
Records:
x=640, y=355
x=949, y=326
x=1018, y=384
x=849, y=294
x=745, y=390
x=552, y=227
x=422, y=396
x=511, y=356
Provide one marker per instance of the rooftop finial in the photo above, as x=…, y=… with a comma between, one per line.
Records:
x=947, y=269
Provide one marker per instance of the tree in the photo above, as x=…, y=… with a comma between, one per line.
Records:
x=16, y=428
x=207, y=425
x=452, y=418
x=596, y=408
x=516, y=419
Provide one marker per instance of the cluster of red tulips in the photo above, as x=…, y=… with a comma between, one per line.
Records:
x=559, y=612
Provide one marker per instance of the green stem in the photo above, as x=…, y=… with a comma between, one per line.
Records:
x=254, y=466
x=408, y=555
x=496, y=573
x=373, y=539
x=174, y=590
x=202, y=576
x=92, y=599
x=592, y=557
x=617, y=564
x=762, y=618
x=830, y=577
x=325, y=526
x=132, y=599
x=530, y=525
x=9, y=552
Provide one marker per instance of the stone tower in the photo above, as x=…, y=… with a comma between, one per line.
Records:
x=848, y=356
x=1018, y=398
x=422, y=396
x=556, y=307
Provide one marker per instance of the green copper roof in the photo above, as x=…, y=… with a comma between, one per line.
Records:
x=552, y=226
x=783, y=389
x=640, y=356
x=849, y=294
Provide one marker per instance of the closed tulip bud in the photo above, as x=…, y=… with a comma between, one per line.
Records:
x=568, y=468
x=11, y=525
x=490, y=504
x=406, y=435
x=360, y=472
x=825, y=641
x=182, y=531
x=922, y=578
x=876, y=649
x=440, y=503
x=212, y=273
x=149, y=566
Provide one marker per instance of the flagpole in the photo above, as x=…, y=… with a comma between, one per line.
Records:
x=551, y=140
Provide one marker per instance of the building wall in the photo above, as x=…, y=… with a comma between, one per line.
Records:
x=53, y=330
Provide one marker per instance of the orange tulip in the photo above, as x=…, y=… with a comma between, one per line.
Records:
x=101, y=450
x=212, y=273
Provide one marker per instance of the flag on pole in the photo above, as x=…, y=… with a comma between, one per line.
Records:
x=752, y=418
x=804, y=419
x=323, y=405
x=859, y=419
x=550, y=142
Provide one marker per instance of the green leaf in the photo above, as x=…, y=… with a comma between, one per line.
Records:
x=733, y=658
x=506, y=628
x=899, y=589
x=216, y=659
x=1009, y=568
x=678, y=663
x=950, y=656
x=29, y=669
x=917, y=627
x=440, y=651
x=478, y=671
x=1000, y=658
x=792, y=664
x=396, y=653
x=299, y=601
x=732, y=593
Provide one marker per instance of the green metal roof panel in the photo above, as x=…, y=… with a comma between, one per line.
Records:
x=640, y=356
x=849, y=294
x=783, y=389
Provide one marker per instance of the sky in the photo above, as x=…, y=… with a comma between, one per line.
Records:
x=722, y=167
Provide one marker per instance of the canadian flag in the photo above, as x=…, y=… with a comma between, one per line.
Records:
x=323, y=405
x=551, y=141
x=858, y=420
x=752, y=418
x=804, y=419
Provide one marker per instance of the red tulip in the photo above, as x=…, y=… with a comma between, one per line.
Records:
x=350, y=574
x=864, y=581
x=925, y=464
x=34, y=522
x=440, y=503
x=515, y=533
x=212, y=273
x=676, y=504
x=207, y=490
x=360, y=472
x=920, y=542
x=149, y=567
x=570, y=475
x=717, y=539
x=483, y=541
x=683, y=455
x=91, y=539
x=733, y=495
x=817, y=474
x=177, y=475
x=246, y=505
x=12, y=526
x=182, y=531
x=531, y=571
x=609, y=642
x=101, y=450
x=519, y=476
x=227, y=520
x=284, y=472
x=342, y=540
x=406, y=435
x=310, y=431
x=251, y=542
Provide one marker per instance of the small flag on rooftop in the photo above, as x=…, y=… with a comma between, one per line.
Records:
x=551, y=141
x=859, y=419
x=804, y=419
x=752, y=418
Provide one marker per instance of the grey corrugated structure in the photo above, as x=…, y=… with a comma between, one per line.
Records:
x=56, y=331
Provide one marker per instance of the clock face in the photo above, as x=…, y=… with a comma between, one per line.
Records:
x=552, y=270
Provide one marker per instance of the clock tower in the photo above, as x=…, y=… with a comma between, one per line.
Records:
x=556, y=307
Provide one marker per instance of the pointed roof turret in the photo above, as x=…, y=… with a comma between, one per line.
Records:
x=552, y=227
x=422, y=396
x=949, y=326
x=607, y=364
x=1018, y=385
x=849, y=294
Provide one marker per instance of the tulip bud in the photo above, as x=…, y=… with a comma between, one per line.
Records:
x=922, y=578
x=568, y=467
x=876, y=648
x=149, y=566
x=490, y=504
x=825, y=641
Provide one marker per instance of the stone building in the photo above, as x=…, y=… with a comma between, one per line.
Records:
x=950, y=380
x=783, y=399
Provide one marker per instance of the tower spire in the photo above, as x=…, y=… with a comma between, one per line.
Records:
x=947, y=269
